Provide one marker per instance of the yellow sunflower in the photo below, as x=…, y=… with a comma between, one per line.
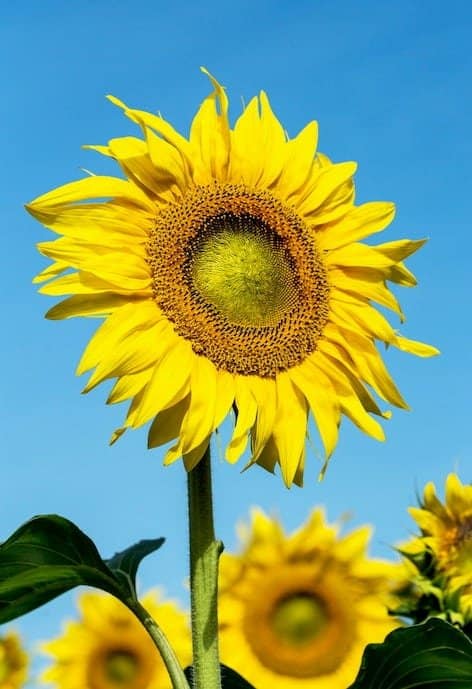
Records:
x=108, y=648
x=446, y=529
x=13, y=662
x=298, y=610
x=229, y=273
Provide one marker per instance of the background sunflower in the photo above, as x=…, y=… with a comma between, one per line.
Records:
x=298, y=610
x=108, y=648
x=14, y=661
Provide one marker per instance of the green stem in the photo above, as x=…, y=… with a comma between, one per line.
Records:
x=204, y=554
x=168, y=656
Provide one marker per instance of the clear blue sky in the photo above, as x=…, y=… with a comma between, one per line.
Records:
x=389, y=83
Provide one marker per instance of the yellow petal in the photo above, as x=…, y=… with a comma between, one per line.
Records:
x=158, y=124
x=199, y=419
x=90, y=188
x=133, y=156
x=96, y=305
x=290, y=427
x=299, y=155
x=225, y=392
x=359, y=289
x=414, y=347
x=122, y=323
x=371, y=367
x=357, y=255
x=340, y=357
x=128, y=386
x=268, y=457
x=356, y=315
x=169, y=379
x=129, y=355
x=348, y=400
x=359, y=222
x=167, y=424
x=401, y=248
x=210, y=135
x=323, y=402
x=458, y=497
x=246, y=416
x=51, y=271
x=324, y=183
x=104, y=223
x=192, y=457
x=264, y=392
x=124, y=270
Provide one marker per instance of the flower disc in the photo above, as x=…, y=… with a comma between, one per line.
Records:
x=253, y=291
x=229, y=272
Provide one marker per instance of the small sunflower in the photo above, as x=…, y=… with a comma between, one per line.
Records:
x=109, y=649
x=13, y=662
x=298, y=610
x=446, y=529
x=229, y=273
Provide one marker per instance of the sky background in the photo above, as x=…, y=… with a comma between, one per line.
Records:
x=389, y=83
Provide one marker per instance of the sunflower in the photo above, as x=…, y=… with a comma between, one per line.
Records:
x=229, y=273
x=109, y=649
x=13, y=662
x=446, y=529
x=298, y=610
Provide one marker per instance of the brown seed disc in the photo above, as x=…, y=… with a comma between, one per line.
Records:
x=240, y=276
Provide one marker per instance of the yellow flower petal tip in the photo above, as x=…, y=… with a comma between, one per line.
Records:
x=229, y=280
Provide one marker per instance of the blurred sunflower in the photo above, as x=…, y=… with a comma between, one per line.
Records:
x=446, y=528
x=13, y=662
x=297, y=611
x=439, y=559
x=229, y=272
x=109, y=649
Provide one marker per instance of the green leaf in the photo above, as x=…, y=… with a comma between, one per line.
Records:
x=125, y=564
x=230, y=679
x=432, y=655
x=49, y=555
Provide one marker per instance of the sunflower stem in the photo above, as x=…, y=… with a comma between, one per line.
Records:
x=204, y=554
x=176, y=674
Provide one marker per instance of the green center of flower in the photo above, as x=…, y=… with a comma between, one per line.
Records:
x=299, y=618
x=245, y=272
x=121, y=668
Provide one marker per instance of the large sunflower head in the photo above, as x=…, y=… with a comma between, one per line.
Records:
x=298, y=610
x=108, y=648
x=228, y=270
x=13, y=662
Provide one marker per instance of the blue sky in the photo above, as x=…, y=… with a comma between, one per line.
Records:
x=389, y=84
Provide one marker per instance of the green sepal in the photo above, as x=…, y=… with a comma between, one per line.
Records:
x=422, y=560
x=230, y=679
x=50, y=555
x=431, y=655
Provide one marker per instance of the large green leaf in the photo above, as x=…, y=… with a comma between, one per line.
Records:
x=431, y=655
x=49, y=555
x=230, y=679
